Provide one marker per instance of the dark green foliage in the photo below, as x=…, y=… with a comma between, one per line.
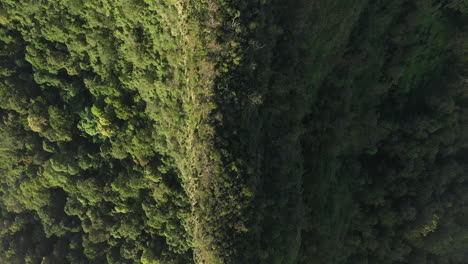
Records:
x=232, y=132
x=385, y=140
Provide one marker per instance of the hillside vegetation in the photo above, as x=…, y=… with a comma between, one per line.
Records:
x=233, y=132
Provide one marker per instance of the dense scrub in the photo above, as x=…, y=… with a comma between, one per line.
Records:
x=362, y=133
x=173, y=131
x=387, y=184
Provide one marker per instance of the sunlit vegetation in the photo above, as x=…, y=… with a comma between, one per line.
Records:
x=232, y=132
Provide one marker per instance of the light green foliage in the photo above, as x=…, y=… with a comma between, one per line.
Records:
x=114, y=94
x=225, y=132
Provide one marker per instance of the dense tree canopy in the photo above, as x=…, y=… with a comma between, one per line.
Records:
x=229, y=132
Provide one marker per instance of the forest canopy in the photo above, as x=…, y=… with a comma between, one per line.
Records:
x=233, y=132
